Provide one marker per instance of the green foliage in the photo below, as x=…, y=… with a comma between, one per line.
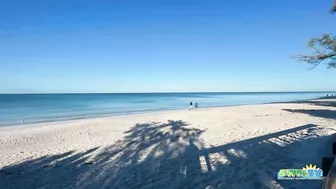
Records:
x=324, y=50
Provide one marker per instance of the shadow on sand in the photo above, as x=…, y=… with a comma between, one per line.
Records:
x=322, y=113
x=172, y=155
x=329, y=114
x=324, y=101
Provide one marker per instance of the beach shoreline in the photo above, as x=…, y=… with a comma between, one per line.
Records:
x=99, y=116
x=219, y=146
x=48, y=108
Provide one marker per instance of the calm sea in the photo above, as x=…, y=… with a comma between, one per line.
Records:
x=35, y=108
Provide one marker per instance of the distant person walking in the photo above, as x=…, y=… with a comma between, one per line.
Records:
x=196, y=105
x=191, y=106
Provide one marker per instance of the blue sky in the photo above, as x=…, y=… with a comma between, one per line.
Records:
x=161, y=46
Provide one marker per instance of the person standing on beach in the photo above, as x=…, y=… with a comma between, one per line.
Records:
x=191, y=106
x=196, y=105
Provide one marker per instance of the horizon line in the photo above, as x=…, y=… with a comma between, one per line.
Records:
x=168, y=92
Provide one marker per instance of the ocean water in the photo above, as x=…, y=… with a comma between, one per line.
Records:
x=36, y=108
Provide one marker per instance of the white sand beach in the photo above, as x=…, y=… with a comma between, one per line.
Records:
x=228, y=147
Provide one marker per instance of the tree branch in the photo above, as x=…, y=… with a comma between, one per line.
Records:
x=325, y=56
x=315, y=65
x=316, y=50
x=324, y=49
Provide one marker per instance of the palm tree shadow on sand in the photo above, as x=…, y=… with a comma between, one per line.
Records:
x=173, y=155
